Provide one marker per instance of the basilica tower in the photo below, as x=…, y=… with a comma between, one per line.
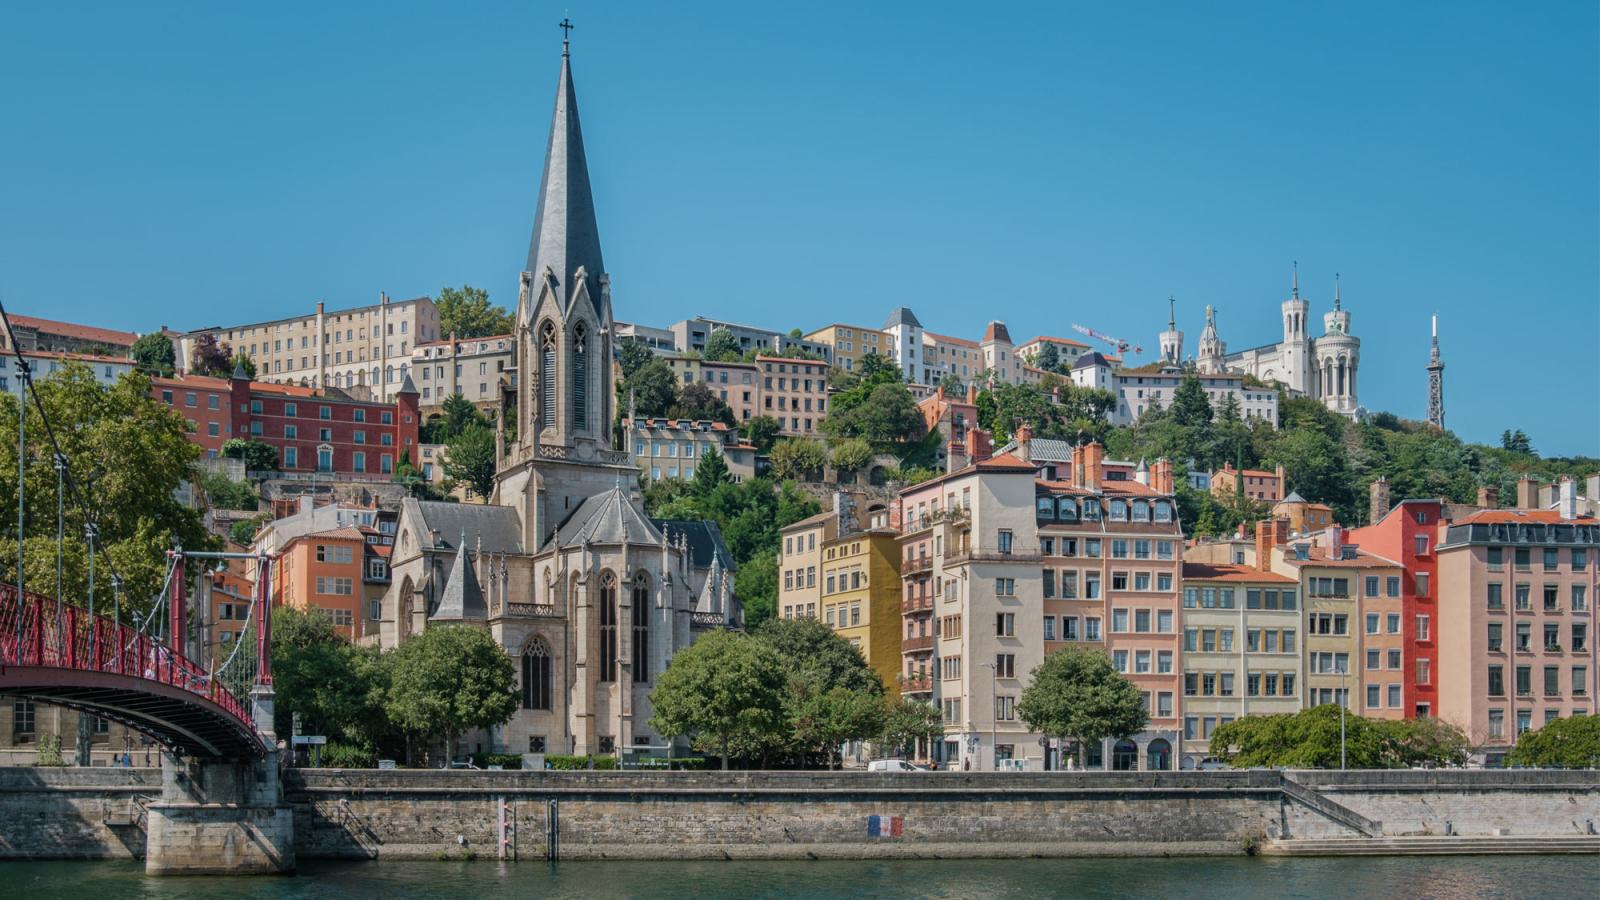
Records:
x=1295, y=356
x=1172, y=338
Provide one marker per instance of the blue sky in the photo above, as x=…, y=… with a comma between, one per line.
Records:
x=187, y=164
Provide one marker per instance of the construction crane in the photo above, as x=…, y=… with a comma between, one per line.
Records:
x=1116, y=344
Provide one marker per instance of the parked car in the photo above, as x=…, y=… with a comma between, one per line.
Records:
x=893, y=765
x=462, y=764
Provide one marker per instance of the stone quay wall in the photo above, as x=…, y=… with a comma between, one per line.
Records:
x=364, y=814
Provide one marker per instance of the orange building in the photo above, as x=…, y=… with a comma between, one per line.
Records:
x=228, y=616
x=1258, y=483
x=325, y=571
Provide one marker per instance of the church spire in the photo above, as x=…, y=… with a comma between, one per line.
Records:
x=566, y=237
x=1336, y=306
x=1297, y=279
x=1172, y=313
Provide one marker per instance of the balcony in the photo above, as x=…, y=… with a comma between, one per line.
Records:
x=532, y=610
x=916, y=566
x=917, y=644
x=923, y=603
x=955, y=514
x=920, y=685
x=980, y=555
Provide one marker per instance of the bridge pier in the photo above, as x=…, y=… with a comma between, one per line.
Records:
x=219, y=818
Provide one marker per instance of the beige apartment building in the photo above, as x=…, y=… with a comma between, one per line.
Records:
x=673, y=448
x=851, y=342
x=737, y=384
x=1516, y=603
x=1241, y=649
x=795, y=392
x=364, y=351
x=471, y=367
x=800, y=564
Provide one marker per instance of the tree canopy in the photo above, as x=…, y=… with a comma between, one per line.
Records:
x=448, y=680
x=211, y=357
x=722, y=346
x=1569, y=743
x=724, y=692
x=467, y=313
x=470, y=458
x=153, y=354
x=1310, y=740
x=1076, y=693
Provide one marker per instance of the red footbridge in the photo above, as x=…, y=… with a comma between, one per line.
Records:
x=58, y=653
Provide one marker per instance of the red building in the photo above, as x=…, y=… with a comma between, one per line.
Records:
x=1407, y=534
x=313, y=431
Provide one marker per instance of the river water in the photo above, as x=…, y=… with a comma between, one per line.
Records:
x=1234, y=877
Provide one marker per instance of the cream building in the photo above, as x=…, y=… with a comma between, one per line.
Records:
x=475, y=368
x=800, y=564
x=851, y=342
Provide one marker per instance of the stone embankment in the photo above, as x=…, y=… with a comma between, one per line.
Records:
x=100, y=813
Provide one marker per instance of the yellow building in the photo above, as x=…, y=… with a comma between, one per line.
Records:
x=851, y=342
x=861, y=597
x=800, y=565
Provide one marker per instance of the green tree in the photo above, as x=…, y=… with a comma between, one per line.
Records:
x=1191, y=407
x=650, y=391
x=458, y=415
x=952, y=384
x=1516, y=442
x=756, y=586
x=886, y=415
x=242, y=361
x=416, y=484
x=1048, y=358
x=851, y=455
x=1571, y=743
x=1316, y=467
x=470, y=458
x=631, y=356
x=711, y=472
x=761, y=432
x=823, y=720
x=1076, y=693
x=799, y=458
x=243, y=532
x=815, y=652
x=336, y=689
x=833, y=696
x=153, y=354
x=1310, y=740
x=258, y=456
x=722, y=692
x=128, y=455
x=906, y=722
x=697, y=402
x=722, y=346
x=448, y=680
x=226, y=494
x=466, y=313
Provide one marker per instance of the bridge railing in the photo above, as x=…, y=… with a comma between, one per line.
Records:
x=81, y=642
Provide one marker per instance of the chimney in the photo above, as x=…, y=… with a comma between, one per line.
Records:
x=979, y=445
x=1489, y=497
x=972, y=393
x=1335, y=542
x=1593, y=490
x=1568, y=501
x=1142, y=474
x=956, y=457
x=1093, y=455
x=1527, y=492
x=939, y=392
x=1378, y=500
x=844, y=512
x=1024, y=441
x=319, y=307
x=1547, y=496
x=1161, y=476
x=1269, y=533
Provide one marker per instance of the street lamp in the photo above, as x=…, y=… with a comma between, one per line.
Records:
x=1344, y=703
x=994, y=713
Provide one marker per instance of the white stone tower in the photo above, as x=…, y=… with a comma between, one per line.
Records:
x=1212, y=348
x=1172, y=338
x=1295, y=353
x=1336, y=355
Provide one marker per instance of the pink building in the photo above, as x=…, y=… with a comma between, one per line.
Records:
x=737, y=384
x=1516, y=632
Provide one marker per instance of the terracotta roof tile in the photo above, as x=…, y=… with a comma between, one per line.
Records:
x=82, y=332
x=1230, y=572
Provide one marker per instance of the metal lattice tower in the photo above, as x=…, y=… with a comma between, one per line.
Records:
x=1435, y=382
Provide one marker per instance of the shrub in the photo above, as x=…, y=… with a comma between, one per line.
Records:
x=50, y=751
x=347, y=756
x=580, y=762
x=503, y=760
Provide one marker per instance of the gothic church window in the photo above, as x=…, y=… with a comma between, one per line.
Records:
x=547, y=375
x=536, y=675
x=641, y=628
x=608, y=627
x=580, y=378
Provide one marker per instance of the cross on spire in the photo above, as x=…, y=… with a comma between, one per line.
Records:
x=1297, y=279
x=566, y=33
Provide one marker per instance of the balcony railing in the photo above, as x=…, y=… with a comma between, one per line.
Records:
x=914, y=566
x=921, y=603
x=704, y=620
x=533, y=610
x=922, y=685
x=916, y=644
x=914, y=523
x=1018, y=556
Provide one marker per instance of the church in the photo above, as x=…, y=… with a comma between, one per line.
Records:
x=589, y=594
x=1323, y=368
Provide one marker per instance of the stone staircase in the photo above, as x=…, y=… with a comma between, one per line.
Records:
x=1322, y=804
x=1435, y=845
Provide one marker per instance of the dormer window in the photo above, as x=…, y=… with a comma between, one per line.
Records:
x=1067, y=509
x=1119, y=510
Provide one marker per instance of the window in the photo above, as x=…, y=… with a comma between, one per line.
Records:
x=608, y=627
x=1374, y=696
x=1497, y=681
x=1005, y=665
x=1119, y=621
x=1393, y=623
x=1005, y=710
x=1496, y=637
x=1524, y=637
x=1421, y=544
x=1005, y=624
x=1424, y=673
x=1049, y=628
x=1005, y=587
x=1372, y=623
x=1091, y=628
x=1580, y=637
x=1164, y=662
x=22, y=717
x=1524, y=681
x=1580, y=599
x=1423, y=632
x=1496, y=599
x=1580, y=681
x=1119, y=660
x=536, y=679
x=1004, y=541
x=1552, y=681
x=1422, y=584
x=334, y=587
x=1164, y=621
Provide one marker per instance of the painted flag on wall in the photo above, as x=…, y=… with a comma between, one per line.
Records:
x=886, y=826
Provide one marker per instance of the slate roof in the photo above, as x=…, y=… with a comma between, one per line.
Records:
x=498, y=526
x=462, y=598
x=566, y=236
x=902, y=316
x=609, y=517
x=1090, y=360
x=705, y=541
